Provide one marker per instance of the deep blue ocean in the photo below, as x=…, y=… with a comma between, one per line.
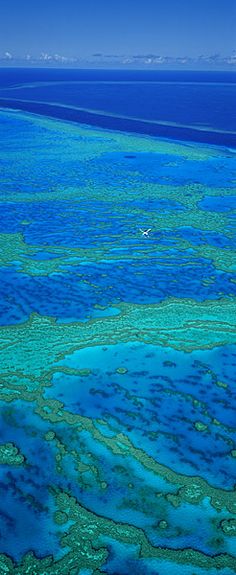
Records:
x=118, y=348
x=197, y=106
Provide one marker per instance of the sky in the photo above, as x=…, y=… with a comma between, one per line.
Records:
x=81, y=28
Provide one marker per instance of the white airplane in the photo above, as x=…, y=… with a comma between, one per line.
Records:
x=145, y=232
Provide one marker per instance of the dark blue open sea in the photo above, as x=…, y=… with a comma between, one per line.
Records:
x=118, y=349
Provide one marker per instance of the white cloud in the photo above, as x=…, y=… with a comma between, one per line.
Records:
x=63, y=59
x=44, y=56
x=56, y=58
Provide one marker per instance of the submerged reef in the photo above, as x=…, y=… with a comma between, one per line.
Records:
x=118, y=353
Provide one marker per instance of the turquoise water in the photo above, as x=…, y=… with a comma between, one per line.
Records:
x=118, y=352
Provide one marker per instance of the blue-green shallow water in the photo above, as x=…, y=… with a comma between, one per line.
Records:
x=162, y=420
x=118, y=352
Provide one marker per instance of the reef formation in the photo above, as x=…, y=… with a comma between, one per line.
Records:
x=118, y=353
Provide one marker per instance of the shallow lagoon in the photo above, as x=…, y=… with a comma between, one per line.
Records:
x=117, y=352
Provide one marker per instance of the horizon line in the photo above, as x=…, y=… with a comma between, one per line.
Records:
x=123, y=68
